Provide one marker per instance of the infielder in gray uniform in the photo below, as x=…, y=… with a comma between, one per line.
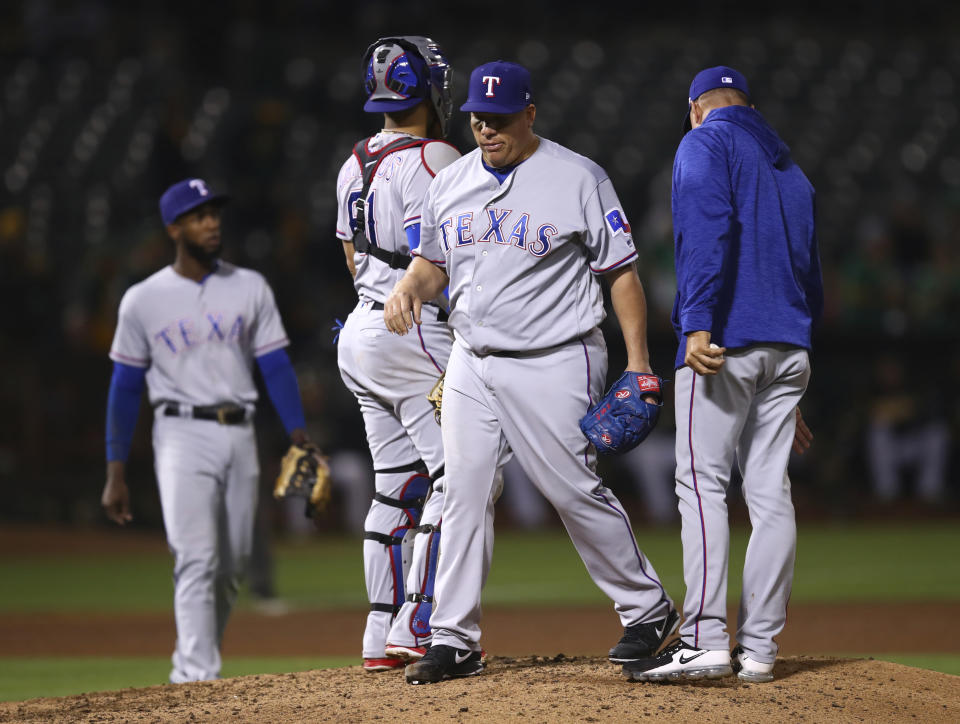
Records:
x=190, y=333
x=521, y=229
x=748, y=293
x=380, y=192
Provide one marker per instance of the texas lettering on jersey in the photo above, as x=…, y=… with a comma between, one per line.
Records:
x=503, y=226
x=185, y=333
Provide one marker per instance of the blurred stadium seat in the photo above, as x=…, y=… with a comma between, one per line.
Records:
x=102, y=106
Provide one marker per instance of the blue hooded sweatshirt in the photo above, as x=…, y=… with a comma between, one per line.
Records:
x=745, y=238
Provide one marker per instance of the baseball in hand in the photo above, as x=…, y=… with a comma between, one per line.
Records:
x=714, y=346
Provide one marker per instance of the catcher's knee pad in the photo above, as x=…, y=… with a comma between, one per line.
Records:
x=394, y=514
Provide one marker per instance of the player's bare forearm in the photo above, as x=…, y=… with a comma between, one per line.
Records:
x=423, y=281
x=348, y=253
x=630, y=306
x=116, y=496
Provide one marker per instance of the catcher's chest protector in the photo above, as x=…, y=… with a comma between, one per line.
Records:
x=369, y=163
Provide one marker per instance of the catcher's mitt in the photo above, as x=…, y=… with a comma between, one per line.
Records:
x=304, y=473
x=622, y=419
x=436, y=398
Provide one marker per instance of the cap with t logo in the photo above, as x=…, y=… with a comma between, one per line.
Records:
x=185, y=196
x=498, y=87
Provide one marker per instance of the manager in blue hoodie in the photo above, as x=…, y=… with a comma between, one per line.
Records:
x=748, y=293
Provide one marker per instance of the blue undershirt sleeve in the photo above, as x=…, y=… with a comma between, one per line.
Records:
x=413, y=241
x=281, y=383
x=123, y=406
x=413, y=236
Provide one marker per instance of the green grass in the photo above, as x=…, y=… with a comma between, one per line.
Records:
x=910, y=562
x=944, y=663
x=844, y=563
x=848, y=563
x=33, y=677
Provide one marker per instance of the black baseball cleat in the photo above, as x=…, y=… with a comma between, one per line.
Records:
x=642, y=640
x=444, y=662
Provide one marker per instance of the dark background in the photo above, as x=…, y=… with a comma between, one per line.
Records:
x=103, y=105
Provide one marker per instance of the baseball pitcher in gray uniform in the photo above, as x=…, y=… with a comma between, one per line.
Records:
x=522, y=228
x=190, y=334
x=380, y=192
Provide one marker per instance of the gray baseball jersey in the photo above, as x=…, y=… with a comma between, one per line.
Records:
x=527, y=363
x=393, y=204
x=556, y=214
x=199, y=340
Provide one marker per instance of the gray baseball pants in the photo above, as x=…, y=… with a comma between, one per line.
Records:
x=744, y=413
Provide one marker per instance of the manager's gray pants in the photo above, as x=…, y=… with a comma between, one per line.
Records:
x=745, y=412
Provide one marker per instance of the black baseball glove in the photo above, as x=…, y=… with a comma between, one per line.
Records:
x=623, y=419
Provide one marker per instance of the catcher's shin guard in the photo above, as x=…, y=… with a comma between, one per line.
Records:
x=413, y=622
x=394, y=513
x=423, y=601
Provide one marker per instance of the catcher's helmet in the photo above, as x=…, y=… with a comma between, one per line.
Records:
x=401, y=71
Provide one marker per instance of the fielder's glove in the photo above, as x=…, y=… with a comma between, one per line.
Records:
x=304, y=473
x=622, y=419
x=436, y=398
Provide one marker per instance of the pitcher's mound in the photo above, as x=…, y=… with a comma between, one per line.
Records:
x=531, y=689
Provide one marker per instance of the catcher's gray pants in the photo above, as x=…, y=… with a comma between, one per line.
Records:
x=207, y=476
x=746, y=411
x=391, y=376
x=533, y=403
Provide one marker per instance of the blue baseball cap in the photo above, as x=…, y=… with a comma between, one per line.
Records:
x=498, y=87
x=185, y=196
x=721, y=76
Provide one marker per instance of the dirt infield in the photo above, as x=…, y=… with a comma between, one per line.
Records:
x=529, y=690
x=812, y=629
x=545, y=666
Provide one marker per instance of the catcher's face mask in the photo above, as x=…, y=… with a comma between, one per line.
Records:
x=400, y=72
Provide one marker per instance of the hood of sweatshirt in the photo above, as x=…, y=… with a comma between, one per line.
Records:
x=753, y=123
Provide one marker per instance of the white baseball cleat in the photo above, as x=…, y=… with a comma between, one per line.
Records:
x=680, y=661
x=749, y=669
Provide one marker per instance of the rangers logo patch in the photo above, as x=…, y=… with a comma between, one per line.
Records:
x=605, y=437
x=622, y=394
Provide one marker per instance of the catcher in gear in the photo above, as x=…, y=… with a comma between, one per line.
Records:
x=380, y=191
x=304, y=473
x=623, y=418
